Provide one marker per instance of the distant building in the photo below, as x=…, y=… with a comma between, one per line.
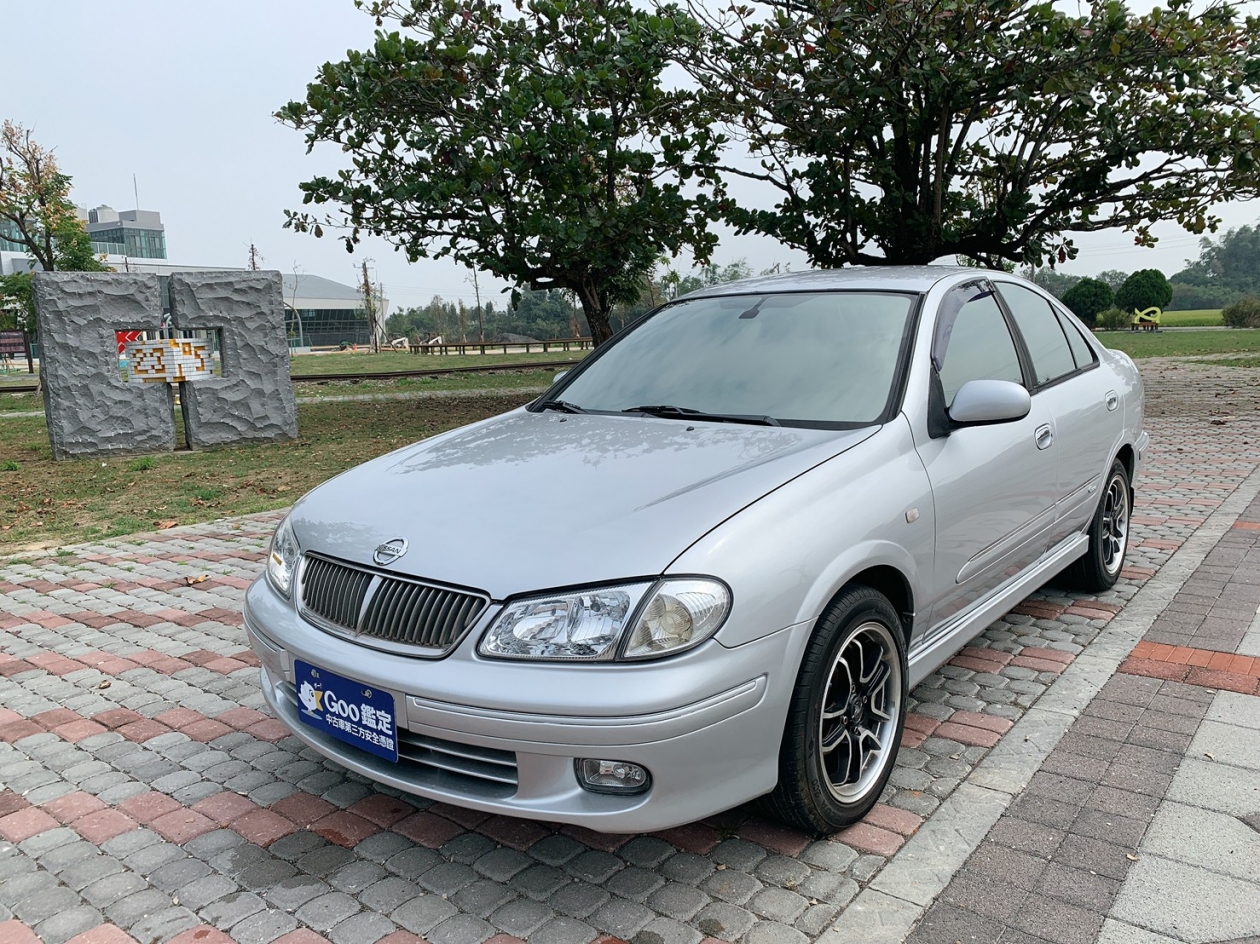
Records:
x=135, y=233
x=319, y=311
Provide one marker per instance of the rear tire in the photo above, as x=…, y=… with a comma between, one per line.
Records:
x=846, y=716
x=1100, y=568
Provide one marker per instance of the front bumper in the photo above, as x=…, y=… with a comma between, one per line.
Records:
x=706, y=724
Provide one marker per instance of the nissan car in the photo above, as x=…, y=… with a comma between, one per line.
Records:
x=709, y=563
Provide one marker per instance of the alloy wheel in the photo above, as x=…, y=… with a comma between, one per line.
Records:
x=860, y=709
x=1114, y=533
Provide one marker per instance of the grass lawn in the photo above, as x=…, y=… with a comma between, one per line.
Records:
x=44, y=502
x=1201, y=318
x=1139, y=344
x=344, y=362
x=505, y=380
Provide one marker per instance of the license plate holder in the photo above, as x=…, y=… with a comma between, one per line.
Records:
x=359, y=714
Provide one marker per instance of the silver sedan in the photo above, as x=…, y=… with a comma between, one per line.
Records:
x=709, y=563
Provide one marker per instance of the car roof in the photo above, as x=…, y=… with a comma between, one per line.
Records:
x=867, y=278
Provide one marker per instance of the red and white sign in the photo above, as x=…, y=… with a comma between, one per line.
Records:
x=126, y=337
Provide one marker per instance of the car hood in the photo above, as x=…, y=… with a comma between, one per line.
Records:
x=530, y=501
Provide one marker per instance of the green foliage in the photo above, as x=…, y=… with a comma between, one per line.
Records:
x=143, y=464
x=1113, y=277
x=994, y=129
x=543, y=148
x=1244, y=313
x=1144, y=289
x=1113, y=319
x=35, y=203
x=1195, y=297
x=9, y=465
x=1226, y=271
x=1052, y=280
x=1088, y=297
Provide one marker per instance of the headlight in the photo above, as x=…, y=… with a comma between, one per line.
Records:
x=589, y=625
x=282, y=559
x=585, y=624
x=681, y=613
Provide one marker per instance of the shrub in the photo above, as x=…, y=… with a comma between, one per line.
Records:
x=1113, y=319
x=1145, y=288
x=1244, y=313
x=1087, y=298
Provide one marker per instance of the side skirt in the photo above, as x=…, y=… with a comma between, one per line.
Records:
x=964, y=627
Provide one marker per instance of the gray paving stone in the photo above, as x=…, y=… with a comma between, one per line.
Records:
x=679, y=901
x=724, y=921
x=291, y=893
x=423, y=913
x=388, y=894
x=204, y=891
x=502, y=864
x=67, y=924
x=362, y=927
x=770, y=932
x=556, y=849
x=482, y=897
x=110, y=889
x=578, y=899
x=461, y=929
x=595, y=866
x=667, y=931
x=132, y=909
x=521, y=917
x=327, y=910
x=264, y=927
x=687, y=867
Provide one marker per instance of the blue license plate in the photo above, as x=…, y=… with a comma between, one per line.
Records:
x=356, y=713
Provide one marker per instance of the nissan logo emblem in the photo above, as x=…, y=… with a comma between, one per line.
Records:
x=385, y=554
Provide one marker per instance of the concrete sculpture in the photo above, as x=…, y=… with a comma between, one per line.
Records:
x=253, y=400
x=92, y=410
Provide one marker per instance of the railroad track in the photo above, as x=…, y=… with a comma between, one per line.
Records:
x=376, y=375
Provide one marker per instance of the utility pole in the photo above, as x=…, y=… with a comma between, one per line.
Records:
x=369, y=307
x=481, y=324
x=255, y=257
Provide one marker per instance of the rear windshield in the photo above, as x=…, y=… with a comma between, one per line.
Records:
x=819, y=358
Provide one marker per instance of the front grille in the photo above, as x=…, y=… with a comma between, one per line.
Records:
x=430, y=761
x=397, y=612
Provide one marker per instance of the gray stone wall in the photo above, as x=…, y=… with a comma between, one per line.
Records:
x=91, y=410
x=253, y=400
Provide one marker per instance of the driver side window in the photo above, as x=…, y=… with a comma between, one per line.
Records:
x=972, y=341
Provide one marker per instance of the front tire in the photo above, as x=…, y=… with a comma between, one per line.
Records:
x=846, y=717
x=1108, y=532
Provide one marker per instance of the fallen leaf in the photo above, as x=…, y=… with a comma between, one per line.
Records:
x=1130, y=856
x=200, y=578
x=1209, y=755
x=163, y=525
x=106, y=683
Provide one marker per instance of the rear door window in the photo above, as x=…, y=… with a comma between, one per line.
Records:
x=1037, y=322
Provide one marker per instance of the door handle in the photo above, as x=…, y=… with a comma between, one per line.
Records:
x=1044, y=436
x=1113, y=400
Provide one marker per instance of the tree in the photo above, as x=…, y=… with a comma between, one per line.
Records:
x=1113, y=277
x=1145, y=288
x=36, y=206
x=1088, y=297
x=900, y=131
x=1052, y=280
x=543, y=148
x=1231, y=263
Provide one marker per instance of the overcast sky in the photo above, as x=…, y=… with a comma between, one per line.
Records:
x=181, y=95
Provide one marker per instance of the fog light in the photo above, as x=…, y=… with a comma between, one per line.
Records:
x=612, y=776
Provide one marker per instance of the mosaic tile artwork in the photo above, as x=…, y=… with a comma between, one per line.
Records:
x=170, y=360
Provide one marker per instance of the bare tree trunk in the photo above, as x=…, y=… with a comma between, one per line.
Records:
x=596, y=311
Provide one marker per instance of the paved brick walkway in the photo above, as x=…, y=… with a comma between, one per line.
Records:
x=146, y=795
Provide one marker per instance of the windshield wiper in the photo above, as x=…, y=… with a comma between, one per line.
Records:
x=671, y=412
x=562, y=406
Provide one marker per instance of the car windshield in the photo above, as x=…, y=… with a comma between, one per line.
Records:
x=822, y=358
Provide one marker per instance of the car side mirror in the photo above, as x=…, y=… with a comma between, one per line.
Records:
x=559, y=376
x=989, y=401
